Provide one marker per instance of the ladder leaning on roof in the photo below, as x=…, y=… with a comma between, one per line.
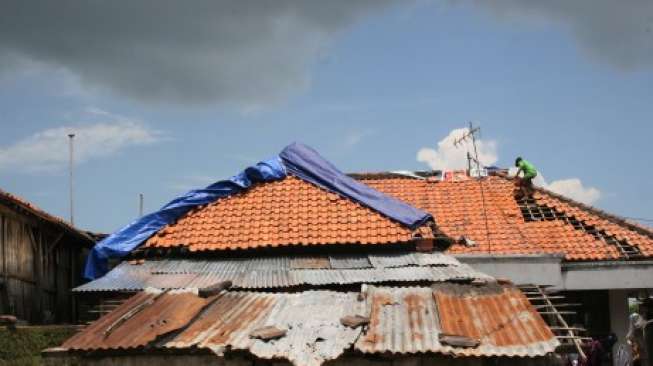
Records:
x=545, y=304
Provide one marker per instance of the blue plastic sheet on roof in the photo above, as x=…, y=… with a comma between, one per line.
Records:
x=296, y=159
x=123, y=241
x=305, y=163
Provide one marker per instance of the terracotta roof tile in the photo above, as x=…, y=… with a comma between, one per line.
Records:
x=458, y=211
x=286, y=212
x=294, y=212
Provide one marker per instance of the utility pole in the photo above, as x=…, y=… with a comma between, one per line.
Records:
x=71, y=137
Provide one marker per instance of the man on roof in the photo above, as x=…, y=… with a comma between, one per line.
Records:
x=525, y=183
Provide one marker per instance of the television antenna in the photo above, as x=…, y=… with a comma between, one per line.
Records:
x=471, y=134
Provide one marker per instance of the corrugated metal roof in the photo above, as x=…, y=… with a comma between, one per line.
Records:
x=311, y=319
x=285, y=271
x=403, y=320
x=139, y=321
x=410, y=320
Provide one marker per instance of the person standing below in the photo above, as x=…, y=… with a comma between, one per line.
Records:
x=525, y=183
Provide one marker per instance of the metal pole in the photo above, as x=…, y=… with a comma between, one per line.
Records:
x=71, y=137
x=472, y=132
x=140, y=204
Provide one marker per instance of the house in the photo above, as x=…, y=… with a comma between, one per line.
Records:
x=41, y=259
x=597, y=260
x=299, y=263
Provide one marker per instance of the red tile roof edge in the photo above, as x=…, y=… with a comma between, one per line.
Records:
x=43, y=215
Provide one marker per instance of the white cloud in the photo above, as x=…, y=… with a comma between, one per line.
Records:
x=448, y=157
x=354, y=137
x=47, y=150
x=569, y=187
x=574, y=189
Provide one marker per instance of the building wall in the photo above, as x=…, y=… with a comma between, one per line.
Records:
x=39, y=264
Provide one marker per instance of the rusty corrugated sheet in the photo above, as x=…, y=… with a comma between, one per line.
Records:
x=139, y=321
x=402, y=321
x=283, y=271
x=410, y=320
x=312, y=320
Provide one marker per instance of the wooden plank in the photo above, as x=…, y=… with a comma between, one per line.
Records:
x=559, y=329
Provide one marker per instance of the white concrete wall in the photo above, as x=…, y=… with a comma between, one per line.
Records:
x=606, y=276
x=520, y=269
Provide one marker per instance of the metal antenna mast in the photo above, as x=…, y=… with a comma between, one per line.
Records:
x=471, y=135
x=71, y=137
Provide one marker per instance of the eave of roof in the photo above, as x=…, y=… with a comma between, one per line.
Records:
x=25, y=205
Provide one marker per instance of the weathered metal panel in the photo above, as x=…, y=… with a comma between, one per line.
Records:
x=310, y=262
x=284, y=271
x=350, y=261
x=389, y=260
x=139, y=321
x=435, y=259
x=311, y=319
x=402, y=320
x=315, y=333
x=410, y=320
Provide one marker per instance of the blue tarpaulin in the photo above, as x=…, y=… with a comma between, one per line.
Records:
x=305, y=163
x=123, y=241
x=296, y=159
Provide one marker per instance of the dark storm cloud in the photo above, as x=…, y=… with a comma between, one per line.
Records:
x=240, y=51
x=614, y=32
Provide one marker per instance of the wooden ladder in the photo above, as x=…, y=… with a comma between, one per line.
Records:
x=553, y=310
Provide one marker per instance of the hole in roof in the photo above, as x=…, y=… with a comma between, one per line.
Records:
x=532, y=211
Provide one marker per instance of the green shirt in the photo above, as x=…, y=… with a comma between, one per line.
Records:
x=528, y=169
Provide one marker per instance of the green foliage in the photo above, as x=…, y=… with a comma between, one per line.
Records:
x=23, y=346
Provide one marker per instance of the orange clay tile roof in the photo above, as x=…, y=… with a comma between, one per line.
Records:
x=286, y=212
x=458, y=211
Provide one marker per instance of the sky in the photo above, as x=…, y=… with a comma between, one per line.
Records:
x=164, y=96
